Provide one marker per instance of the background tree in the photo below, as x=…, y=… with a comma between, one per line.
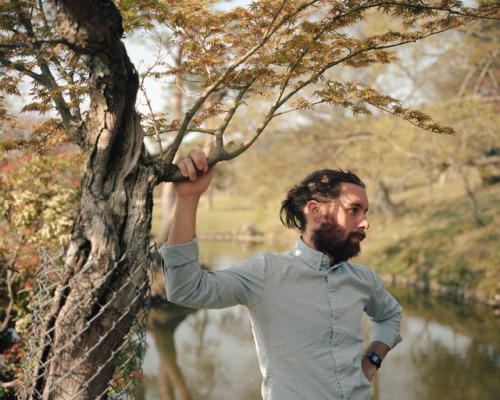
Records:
x=70, y=54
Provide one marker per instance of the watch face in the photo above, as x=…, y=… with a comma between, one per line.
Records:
x=374, y=359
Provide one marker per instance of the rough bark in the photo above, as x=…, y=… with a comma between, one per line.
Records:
x=95, y=303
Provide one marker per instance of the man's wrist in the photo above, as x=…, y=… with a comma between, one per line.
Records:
x=369, y=370
x=374, y=358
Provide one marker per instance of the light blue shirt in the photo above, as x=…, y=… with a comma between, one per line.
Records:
x=306, y=315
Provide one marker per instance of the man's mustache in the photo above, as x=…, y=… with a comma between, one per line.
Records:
x=360, y=235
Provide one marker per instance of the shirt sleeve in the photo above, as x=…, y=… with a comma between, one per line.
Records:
x=189, y=285
x=385, y=313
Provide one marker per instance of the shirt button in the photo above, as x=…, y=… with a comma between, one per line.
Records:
x=330, y=295
x=341, y=377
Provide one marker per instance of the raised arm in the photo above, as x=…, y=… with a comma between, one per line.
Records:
x=188, y=196
x=185, y=282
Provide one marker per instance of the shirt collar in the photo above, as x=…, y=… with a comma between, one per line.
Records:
x=314, y=258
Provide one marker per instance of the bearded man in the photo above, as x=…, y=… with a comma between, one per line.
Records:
x=305, y=304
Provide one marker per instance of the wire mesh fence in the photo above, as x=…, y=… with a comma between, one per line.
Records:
x=88, y=333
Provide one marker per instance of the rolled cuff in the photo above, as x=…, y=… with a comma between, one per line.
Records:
x=387, y=331
x=181, y=273
x=179, y=254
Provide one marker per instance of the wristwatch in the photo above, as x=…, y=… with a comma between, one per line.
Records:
x=374, y=359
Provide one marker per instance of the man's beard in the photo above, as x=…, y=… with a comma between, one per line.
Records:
x=329, y=239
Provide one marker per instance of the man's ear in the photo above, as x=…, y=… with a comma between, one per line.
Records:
x=313, y=212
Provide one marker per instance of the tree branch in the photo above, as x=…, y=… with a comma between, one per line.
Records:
x=215, y=86
x=10, y=280
x=32, y=43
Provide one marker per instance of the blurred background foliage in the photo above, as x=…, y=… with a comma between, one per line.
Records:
x=38, y=202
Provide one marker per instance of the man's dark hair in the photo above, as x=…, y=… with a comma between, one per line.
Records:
x=321, y=185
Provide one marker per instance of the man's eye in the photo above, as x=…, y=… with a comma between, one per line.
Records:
x=353, y=210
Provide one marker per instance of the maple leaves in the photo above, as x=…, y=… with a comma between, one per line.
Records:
x=277, y=49
x=37, y=68
x=270, y=49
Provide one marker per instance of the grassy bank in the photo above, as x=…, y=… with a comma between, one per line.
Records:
x=434, y=240
x=437, y=240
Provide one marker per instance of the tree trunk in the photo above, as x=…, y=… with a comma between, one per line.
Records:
x=383, y=201
x=105, y=271
x=472, y=198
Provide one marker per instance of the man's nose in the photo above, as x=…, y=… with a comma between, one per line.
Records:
x=364, y=224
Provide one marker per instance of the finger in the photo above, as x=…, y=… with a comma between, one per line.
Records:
x=191, y=170
x=199, y=159
x=182, y=166
x=187, y=169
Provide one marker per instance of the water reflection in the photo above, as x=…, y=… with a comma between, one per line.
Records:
x=163, y=322
x=209, y=354
x=449, y=352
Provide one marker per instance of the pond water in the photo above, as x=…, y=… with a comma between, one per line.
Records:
x=449, y=351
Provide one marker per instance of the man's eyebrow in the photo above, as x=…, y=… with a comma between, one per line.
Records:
x=358, y=205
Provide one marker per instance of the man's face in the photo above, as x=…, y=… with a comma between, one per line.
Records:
x=344, y=224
